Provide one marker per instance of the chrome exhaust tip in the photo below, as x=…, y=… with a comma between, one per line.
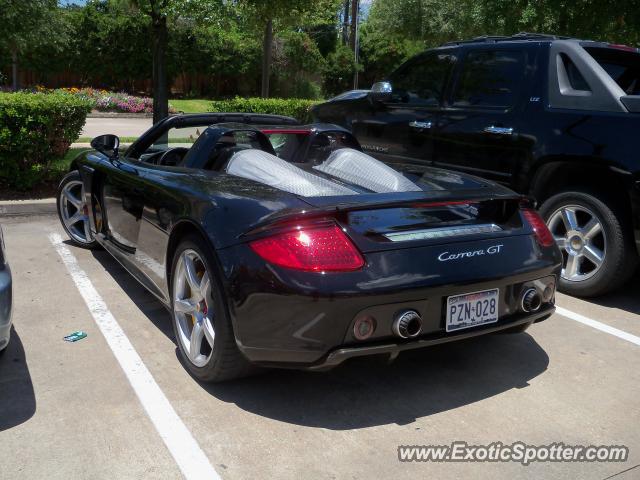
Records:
x=408, y=324
x=531, y=300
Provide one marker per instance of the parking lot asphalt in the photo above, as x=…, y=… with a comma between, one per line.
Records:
x=68, y=410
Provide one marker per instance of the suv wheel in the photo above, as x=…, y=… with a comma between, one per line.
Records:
x=598, y=253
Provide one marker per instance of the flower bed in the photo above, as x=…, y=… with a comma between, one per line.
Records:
x=106, y=101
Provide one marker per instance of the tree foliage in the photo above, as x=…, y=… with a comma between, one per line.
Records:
x=26, y=24
x=218, y=48
x=434, y=22
x=397, y=29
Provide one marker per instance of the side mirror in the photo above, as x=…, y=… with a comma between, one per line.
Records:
x=107, y=144
x=381, y=92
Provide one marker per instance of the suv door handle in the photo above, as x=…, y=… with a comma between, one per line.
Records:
x=499, y=130
x=416, y=124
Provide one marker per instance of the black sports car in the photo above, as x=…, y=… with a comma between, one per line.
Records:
x=276, y=244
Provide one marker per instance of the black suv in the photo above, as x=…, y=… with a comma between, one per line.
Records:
x=556, y=118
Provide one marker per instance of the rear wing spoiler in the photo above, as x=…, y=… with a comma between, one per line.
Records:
x=234, y=117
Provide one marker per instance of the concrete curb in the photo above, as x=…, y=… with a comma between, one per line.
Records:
x=119, y=115
x=23, y=208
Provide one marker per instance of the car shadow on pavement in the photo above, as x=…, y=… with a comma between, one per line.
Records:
x=17, y=398
x=626, y=298
x=149, y=305
x=367, y=392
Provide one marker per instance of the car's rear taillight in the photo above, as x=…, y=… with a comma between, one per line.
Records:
x=314, y=249
x=540, y=229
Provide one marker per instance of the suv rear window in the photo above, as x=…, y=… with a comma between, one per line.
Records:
x=490, y=78
x=622, y=66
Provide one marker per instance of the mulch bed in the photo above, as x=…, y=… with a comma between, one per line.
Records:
x=42, y=190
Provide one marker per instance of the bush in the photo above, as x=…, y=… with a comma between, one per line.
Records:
x=292, y=107
x=35, y=129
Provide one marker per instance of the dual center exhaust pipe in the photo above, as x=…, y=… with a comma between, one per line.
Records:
x=408, y=323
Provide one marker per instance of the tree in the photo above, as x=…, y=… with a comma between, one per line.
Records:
x=157, y=11
x=339, y=70
x=107, y=46
x=297, y=63
x=25, y=23
x=437, y=21
x=398, y=29
x=280, y=14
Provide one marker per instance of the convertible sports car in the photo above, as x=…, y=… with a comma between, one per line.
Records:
x=282, y=245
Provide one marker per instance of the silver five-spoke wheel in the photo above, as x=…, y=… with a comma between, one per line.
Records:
x=579, y=234
x=192, y=309
x=74, y=212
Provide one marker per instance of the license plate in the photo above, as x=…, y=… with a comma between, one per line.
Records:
x=472, y=310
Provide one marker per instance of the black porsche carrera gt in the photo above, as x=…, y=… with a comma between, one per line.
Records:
x=276, y=244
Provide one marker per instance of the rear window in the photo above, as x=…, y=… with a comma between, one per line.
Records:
x=622, y=66
x=490, y=78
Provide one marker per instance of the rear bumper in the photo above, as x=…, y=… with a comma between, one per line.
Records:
x=338, y=356
x=5, y=306
x=295, y=319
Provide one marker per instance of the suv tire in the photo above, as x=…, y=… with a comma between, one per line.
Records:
x=599, y=254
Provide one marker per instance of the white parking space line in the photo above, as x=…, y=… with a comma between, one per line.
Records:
x=183, y=447
x=598, y=325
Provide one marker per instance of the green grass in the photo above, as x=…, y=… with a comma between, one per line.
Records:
x=60, y=166
x=196, y=105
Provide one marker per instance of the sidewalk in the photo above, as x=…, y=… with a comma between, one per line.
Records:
x=123, y=127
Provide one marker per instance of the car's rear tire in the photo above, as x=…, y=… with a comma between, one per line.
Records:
x=200, y=316
x=596, y=244
x=73, y=211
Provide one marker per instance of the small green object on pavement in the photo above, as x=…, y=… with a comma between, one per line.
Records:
x=75, y=336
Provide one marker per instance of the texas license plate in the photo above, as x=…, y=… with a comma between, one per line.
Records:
x=472, y=310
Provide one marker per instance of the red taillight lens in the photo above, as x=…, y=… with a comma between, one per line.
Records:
x=540, y=229
x=319, y=249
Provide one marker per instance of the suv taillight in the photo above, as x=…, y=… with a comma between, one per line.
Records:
x=314, y=249
x=540, y=229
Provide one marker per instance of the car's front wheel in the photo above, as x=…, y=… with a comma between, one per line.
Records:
x=201, y=323
x=597, y=249
x=73, y=210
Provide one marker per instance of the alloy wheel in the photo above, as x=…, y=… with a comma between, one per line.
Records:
x=579, y=234
x=74, y=212
x=192, y=307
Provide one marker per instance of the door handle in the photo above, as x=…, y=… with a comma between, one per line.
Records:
x=416, y=124
x=499, y=130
